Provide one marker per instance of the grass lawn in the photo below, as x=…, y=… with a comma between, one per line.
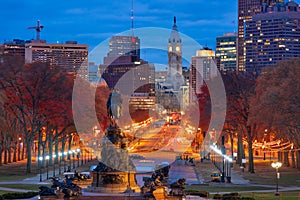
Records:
x=23, y=186
x=270, y=196
x=17, y=171
x=225, y=189
x=265, y=174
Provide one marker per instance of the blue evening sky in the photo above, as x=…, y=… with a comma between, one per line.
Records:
x=92, y=21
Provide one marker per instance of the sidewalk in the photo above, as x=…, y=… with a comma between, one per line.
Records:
x=182, y=169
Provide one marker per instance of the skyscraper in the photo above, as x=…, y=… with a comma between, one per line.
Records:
x=71, y=57
x=273, y=35
x=246, y=9
x=121, y=45
x=203, y=68
x=226, y=51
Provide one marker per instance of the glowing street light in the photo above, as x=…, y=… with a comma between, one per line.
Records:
x=47, y=163
x=277, y=165
x=40, y=159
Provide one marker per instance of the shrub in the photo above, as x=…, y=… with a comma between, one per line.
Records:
x=19, y=195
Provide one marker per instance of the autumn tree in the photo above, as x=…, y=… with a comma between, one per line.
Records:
x=29, y=89
x=240, y=87
x=277, y=101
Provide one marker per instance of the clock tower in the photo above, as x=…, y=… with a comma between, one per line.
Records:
x=174, y=74
x=174, y=51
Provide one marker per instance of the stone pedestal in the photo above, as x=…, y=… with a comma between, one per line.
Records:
x=113, y=182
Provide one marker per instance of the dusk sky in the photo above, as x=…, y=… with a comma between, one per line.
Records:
x=92, y=21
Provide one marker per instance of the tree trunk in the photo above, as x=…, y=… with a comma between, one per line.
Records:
x=50, y=148
x=9, y=155
x=15, y=152
x=240, y=150
x=56, y=152
x=250, y=151
x=286, y=158
x=39, y=149
x=279, y=156
x=5, y=156
x=1, y=157
x=69, y=146
x=298, y=159
x=23, y=151
x=63, y=142
x=293, y=158
x=28, y=166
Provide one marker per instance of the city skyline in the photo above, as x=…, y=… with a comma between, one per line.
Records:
x=96, y=21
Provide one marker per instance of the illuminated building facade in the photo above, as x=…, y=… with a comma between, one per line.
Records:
x=226, y=51
x=203, y=67
x=123, y=61
x=124, y=45
x=15, y=48
x=246, y=9
x=273, y=35
x=71, y=57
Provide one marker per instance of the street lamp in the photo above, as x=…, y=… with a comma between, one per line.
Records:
x=47, y=163
x=54, y=156
x=40, y=169
x=59, y=163
x=277, y=165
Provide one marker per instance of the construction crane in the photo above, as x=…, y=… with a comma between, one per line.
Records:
x=38, y=28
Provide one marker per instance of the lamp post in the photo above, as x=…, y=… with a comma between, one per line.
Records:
x=54, y=156
x=40, y=169
x=47, y=163
x=277, y=165
x=59, y=163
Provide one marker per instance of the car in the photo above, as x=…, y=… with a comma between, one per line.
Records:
x=215, y=177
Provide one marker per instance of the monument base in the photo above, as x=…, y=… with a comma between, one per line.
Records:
x=113, y=183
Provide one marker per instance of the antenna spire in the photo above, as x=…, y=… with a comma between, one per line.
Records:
x=132, y=19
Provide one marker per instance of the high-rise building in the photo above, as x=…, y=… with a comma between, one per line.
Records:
x=226, y=51
x=203, y=67
x=71, y=57
x=15, y=48
x=123, y=61
x=121, y=45
x=246, y=9
x=273, y=35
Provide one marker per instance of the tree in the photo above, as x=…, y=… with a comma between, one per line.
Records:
x=240, y=87
x=28, y=90
x=277, y=101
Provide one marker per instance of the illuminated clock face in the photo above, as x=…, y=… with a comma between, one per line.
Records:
x=177, y=48
x=170, y=48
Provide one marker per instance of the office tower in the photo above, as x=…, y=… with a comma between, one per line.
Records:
x=273, y=35
x=71, y=57
x=124, y=45
x=246, y=9
x=122, y=60
x=203, y=67
x=15, y=48
x=226, y=51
